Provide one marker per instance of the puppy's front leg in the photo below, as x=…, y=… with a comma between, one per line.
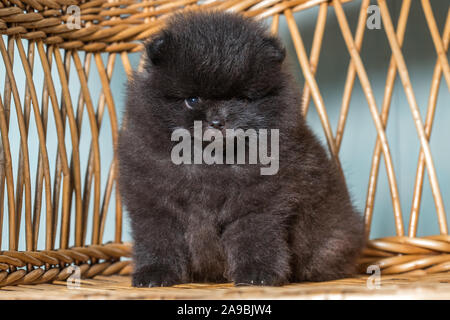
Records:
x=160, y=251
x=257, y=250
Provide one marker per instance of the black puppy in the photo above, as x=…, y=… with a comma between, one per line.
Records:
x=228, y=222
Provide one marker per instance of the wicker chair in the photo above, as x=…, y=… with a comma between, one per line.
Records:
x=112, y=29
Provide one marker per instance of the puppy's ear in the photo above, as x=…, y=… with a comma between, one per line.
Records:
x=275, y=50
x=155, y=48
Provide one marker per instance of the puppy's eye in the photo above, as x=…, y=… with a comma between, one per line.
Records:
x=245, y=99
x=192, y=102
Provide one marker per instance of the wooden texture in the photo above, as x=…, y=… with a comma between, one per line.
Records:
x=117, y=25
x=109, y=31
x=412, y=286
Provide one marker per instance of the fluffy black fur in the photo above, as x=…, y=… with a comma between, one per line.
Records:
x=228, y=222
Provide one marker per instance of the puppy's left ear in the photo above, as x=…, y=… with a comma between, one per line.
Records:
x=275, y=49
x=155, y=47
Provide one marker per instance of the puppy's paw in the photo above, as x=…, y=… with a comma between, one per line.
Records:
x=152, y=276
x=257, y=277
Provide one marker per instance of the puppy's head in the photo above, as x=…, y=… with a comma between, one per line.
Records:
x=216, y=67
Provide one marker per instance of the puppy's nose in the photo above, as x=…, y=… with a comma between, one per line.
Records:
x=216, y=124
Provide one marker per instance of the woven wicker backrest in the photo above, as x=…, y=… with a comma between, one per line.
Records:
x=73, y=197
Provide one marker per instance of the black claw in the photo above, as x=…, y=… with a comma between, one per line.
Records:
x=257, y=278
x=150, y=276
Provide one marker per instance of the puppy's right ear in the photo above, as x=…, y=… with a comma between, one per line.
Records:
x=155, y=48
x=275, y=49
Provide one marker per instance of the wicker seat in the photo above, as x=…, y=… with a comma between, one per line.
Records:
x=76, y=201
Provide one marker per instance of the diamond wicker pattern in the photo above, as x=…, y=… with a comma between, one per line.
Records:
x=114, y=28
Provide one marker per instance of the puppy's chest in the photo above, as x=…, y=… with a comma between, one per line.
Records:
x=211, y=199
x=224, y=202
x=221, y=194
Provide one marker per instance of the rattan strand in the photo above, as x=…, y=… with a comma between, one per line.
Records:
x=393, y=255
x=406, y=286
x=115, y=26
